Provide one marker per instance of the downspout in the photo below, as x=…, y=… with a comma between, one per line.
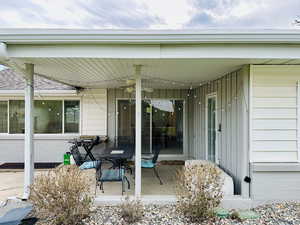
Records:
x=3, y=52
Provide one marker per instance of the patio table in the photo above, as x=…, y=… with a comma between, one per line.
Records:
x=112, y=153
x=117, y=156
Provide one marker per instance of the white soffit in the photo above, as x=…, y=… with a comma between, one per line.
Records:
x=110, y=73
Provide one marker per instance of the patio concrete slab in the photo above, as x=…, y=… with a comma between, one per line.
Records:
x=150, y=183
x=11, y=182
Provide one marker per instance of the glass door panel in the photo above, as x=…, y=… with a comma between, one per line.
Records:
x=146, y=128
x=126, y=122
x=167, y=125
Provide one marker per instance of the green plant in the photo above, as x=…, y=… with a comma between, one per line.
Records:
x=131, y=210
x=61, y=196
x=198, y=190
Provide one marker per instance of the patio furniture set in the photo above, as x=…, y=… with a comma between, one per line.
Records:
x=116, y=155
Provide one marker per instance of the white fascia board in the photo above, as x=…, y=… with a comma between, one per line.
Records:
x=39, y=92
x=83, y=51
x=191, y=51
x=71, y=36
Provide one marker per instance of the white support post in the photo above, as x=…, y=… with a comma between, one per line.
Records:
x=298, y=119
x=28, y=151
x=138, y=132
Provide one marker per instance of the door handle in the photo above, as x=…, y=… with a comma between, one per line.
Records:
x=219, y=128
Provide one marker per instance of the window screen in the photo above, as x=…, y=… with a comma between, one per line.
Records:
x=71, y=117
x=3, y=117
x=16, y=116
x=47, y=116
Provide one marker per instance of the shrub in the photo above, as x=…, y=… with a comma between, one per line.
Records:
x=61, y=196
x=131, y=210
x=198, y=190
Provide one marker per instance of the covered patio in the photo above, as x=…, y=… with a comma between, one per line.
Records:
x=200, y=68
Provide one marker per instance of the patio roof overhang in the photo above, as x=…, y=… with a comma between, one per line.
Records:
x=104, y=59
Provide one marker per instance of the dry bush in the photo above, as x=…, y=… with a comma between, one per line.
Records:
x=131, y=210
x=198, y=190
x=61, y=196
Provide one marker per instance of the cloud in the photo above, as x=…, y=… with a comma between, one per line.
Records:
x=147, y=14
x=244, y=14
x=76, y=14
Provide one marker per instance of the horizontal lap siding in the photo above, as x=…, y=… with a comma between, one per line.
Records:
x=94, y=112
x=232, y=106
x=274, y=113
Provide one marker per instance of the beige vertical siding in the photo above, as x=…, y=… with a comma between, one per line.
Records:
x=94, y=112
x=232, y=115
x=274, y=113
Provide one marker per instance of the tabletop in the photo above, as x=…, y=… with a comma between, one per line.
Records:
x=112, y=153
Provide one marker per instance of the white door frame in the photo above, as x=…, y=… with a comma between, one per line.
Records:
x=209, y=96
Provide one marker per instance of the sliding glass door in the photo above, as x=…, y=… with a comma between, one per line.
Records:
x=211, y=128
x=162, y=124
x=126, y=123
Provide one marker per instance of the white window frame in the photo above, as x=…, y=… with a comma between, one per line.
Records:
x=46, y=99
x=7, y=102
x=209, y=96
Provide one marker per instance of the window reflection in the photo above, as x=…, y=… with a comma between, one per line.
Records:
x=162, y=124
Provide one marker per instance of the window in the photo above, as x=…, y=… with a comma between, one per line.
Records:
x=16, y=116
x=71, y=117
x=3, y=117
x=48, y=116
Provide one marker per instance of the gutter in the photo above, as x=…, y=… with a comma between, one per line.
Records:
x=81, y=36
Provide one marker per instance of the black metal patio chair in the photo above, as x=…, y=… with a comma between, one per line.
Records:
x=150, y=163
x=112, y=174
x=125, y=143
x=79, y=160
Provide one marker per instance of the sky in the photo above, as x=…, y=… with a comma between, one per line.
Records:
x=149, y=14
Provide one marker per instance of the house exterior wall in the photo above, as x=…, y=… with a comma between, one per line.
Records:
x=47, y=149
x=51, y=147
x=232, y=115
x=274, y=113
x=94, y=112
x=274, y=132
x=283, y=179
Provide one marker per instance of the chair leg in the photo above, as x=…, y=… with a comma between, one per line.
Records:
x=128, y=184
x=96, y=188
x=101, y=187
x=156, y=173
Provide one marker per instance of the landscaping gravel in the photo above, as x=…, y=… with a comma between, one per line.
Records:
x=280, y=214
